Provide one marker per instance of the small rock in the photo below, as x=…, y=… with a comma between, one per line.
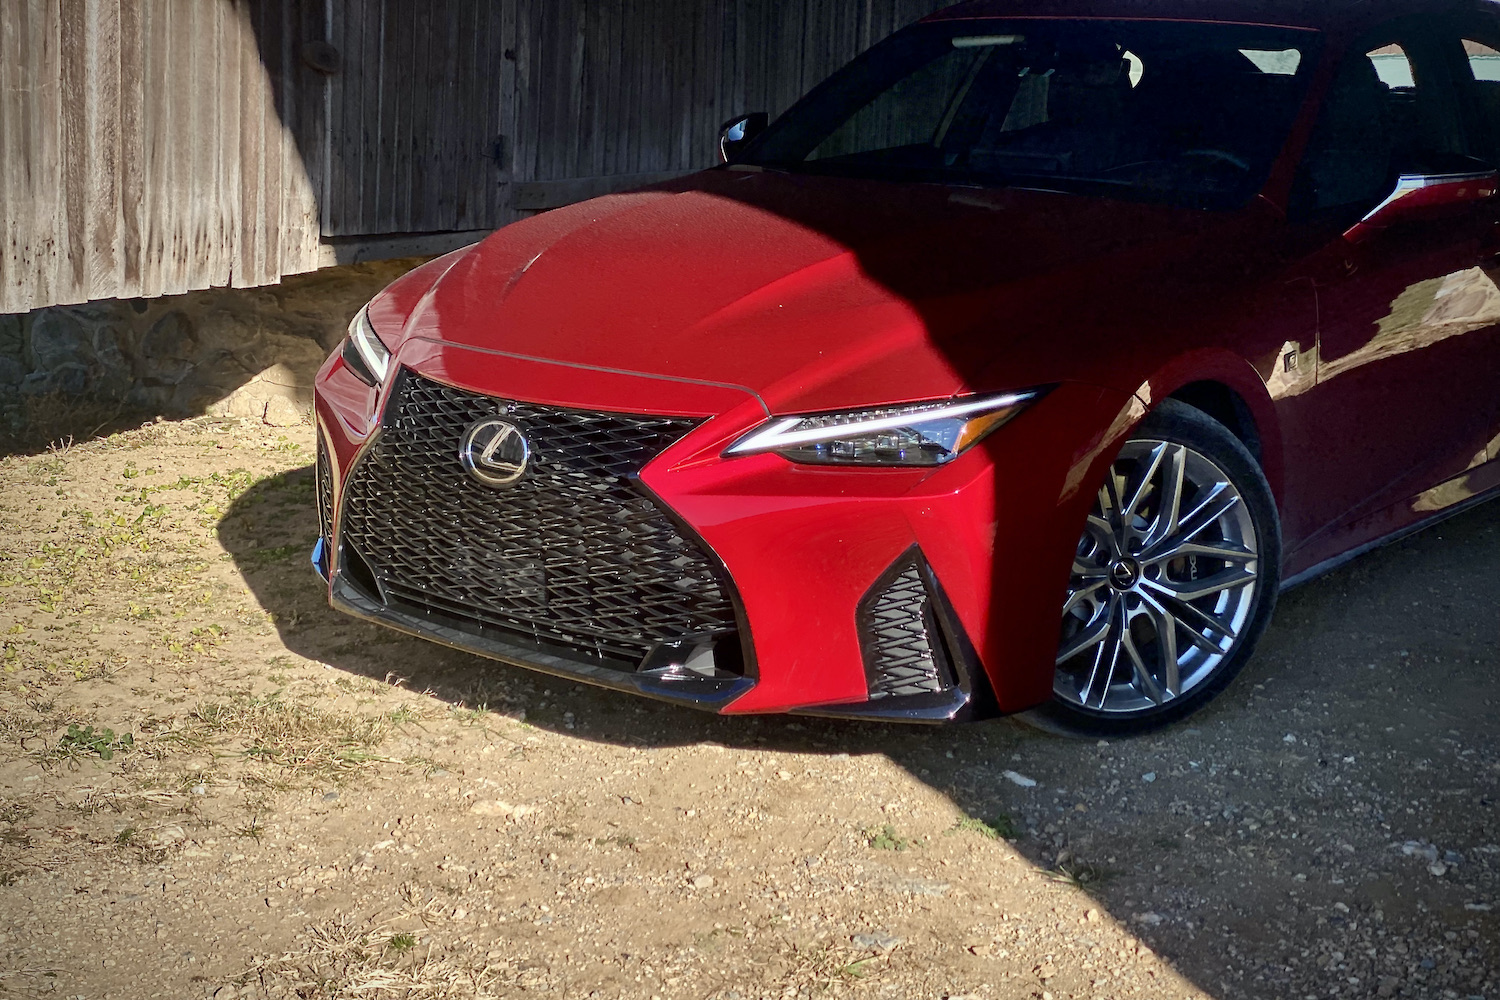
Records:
x=1019, y=779
x=200, y=790
x=877, y=941
x=1149, y=777
x=921, y=886
x=171, y=337
x=1451, y=858
x=1092, y=915
x=1289, y=738
x=702, y=882
x=1417, y=849
x=1438, y=869
x=57, y=338
x=330, y=796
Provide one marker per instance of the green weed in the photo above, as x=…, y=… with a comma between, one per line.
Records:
x=1001, y=827
x=82, y=741
x=887, y=839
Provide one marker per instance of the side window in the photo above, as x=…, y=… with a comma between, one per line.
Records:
x=1484, y=66
x=1484, y=61
x=1382, y=115
x=1394, y=68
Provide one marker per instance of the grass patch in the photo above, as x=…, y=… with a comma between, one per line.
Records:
x=1001, y=827
x=1079, y=874
x=887, y=839
x=298, y=736
x=85, y=741
x=340, y=958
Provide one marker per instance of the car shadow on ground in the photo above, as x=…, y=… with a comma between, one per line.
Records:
x=1332, y=818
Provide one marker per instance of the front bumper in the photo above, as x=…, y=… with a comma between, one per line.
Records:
x=822, y=565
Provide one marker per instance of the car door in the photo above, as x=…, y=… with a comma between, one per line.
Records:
x=1477, y=59
x=1403, y=396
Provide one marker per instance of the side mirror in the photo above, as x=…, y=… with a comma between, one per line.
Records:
x=1427, y=197
x=737, y=133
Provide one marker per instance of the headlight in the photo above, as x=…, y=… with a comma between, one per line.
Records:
x=920, y=434
x=365, y=355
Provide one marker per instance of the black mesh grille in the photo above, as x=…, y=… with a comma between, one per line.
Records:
x=572, y=555
x=898, y=648
x=324, y=477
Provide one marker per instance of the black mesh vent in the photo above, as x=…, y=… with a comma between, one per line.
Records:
x=324, y=477
x=572, y=555
x=896, y=627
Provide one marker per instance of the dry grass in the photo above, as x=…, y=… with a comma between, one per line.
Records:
x=298, y=736
x=344, y=959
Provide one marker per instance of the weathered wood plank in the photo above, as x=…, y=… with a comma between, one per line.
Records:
x=132, y=149
x=103, y=260
x=32, y=259
x=506, y=100
x=75, y=147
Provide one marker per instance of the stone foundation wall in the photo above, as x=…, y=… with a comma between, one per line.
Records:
x=239, y=352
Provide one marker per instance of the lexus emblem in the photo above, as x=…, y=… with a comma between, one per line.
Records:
x=495, y=452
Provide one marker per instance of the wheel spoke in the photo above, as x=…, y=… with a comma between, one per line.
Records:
x=1110, y=519
x=1081, y=593
x=1145, y=473
x=1144, y=681
x=1174, y=476
x=1105, y=657
x=1223, y=551
x=1220, y=501
x=1192, y=590
x=1104, y=532
x=1196, y=622
x=1090, y=635
x=1166, y=645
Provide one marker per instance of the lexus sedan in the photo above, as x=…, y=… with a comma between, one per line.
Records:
x=1019, y=366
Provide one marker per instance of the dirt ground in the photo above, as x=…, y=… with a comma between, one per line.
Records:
x=212, y=785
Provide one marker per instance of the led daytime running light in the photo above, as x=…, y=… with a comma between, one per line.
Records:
x=784, y=433
x=373, y=356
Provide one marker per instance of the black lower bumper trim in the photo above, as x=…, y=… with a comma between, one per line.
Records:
x=953, y=705
x=679, y=687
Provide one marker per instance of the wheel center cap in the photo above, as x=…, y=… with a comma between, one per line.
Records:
x=1124, y=573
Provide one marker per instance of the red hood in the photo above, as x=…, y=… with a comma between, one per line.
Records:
x=814, y=293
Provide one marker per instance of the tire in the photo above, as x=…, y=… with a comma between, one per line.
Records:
x=1168, y=599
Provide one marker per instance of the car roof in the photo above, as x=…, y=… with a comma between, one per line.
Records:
x=1315, y=14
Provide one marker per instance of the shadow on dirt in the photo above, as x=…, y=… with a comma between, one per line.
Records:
x=1333, y=815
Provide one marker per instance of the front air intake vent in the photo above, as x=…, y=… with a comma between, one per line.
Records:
x=324, y=485
x=904, y=654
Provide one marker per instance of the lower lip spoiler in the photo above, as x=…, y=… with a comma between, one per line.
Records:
x=711, y=694
x=693, y=691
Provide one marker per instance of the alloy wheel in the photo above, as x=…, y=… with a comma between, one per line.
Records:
x=1164, y=582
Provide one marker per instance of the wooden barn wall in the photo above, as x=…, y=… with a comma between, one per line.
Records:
x=149, y=147
x=455, y=115
x=146, y=149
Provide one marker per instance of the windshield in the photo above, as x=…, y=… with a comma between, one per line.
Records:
x=1185, y=113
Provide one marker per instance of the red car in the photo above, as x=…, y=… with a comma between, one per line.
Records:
x=1021, y=364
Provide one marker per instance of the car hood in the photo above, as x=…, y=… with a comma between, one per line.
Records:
x=821, y=293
